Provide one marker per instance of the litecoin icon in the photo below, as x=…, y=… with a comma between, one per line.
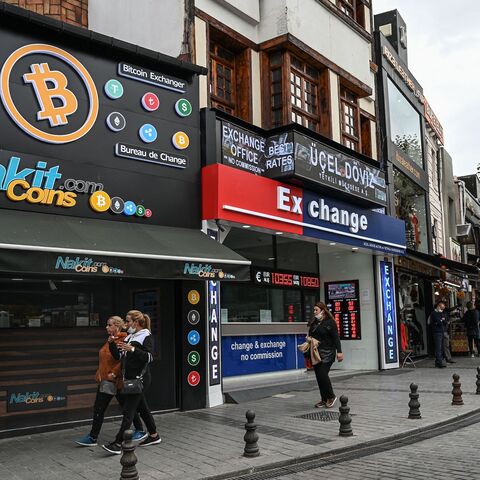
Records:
x=117, y=205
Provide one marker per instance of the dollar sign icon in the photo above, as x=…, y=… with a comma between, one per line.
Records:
x=50, y=85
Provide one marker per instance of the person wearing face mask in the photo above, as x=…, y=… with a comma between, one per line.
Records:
x=135, y=352
x=109, y=369
x=324, y=329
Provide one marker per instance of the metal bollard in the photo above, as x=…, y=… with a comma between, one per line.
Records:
x=345, y=419
x=478, y=381
x=414, y=404
x=129, y=459
x=251, y=437
x=456, y=392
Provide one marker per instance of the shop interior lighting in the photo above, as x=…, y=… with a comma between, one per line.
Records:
x=332, y=244
x=278, y=233
x=67, y=281
x=246, y=226
x=354, y=249
x=17, y=279
x=271, y=258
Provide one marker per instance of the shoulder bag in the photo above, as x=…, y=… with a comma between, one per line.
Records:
x=135, y=385
x=108, y=387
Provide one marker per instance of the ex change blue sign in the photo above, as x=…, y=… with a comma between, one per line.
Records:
x=257, y=354
x=389, y=319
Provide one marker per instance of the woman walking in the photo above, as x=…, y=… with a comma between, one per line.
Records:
x=324, y=329
x=135, y=354
x=108, y=377
x=471, y=319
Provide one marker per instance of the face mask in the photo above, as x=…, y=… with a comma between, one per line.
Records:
x=131, y=330
x=318, y=316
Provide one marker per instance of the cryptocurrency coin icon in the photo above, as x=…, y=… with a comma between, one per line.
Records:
x=180, y=141
x=148, y=133
x=116, y=122
x=150, y=102
x=100, y=201
x=117, y=205
x=130, y=208
x=193, y=379
x=193, y=337
x=193, y=317
x=148, y=213
x=140, y=212
x=193, y=297
x=193, y=358
x=113, y=89
x=183, y=107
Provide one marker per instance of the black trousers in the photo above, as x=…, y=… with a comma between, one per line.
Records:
x=132, y=404
x=102, y=400
x=471, y=340
x=323, y=380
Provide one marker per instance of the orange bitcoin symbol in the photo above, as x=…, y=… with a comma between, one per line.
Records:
x=41, y=78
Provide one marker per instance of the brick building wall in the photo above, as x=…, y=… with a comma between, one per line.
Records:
x=69, y=11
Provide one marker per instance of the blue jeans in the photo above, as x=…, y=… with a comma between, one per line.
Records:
x=438, y=340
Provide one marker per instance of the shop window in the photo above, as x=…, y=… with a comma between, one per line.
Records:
x=298, y=93
x=353, y=9
x=405, y=124
x=296, y=255
x=410, y=206
x=229, y=75
x=246, y=303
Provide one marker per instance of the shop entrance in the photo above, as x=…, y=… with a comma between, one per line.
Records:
x=51, y=329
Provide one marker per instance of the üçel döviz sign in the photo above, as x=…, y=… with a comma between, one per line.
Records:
x=389, y=315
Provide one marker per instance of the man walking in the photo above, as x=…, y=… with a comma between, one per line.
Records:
x=438, y=322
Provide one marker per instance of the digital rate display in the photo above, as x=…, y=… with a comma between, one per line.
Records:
x=342, y=299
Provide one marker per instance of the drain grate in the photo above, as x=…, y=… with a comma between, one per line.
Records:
x=322, y=416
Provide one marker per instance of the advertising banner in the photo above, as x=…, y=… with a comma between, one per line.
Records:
x=258, y=354
x=96, y=132
x=36, y=397
x=280, y=207
x=293, y=155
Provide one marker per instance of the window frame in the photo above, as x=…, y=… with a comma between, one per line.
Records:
x=215, y=59
x=356, y=9
x=346, y=102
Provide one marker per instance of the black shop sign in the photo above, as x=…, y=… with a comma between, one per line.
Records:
x=91, y=130
x=292, y=155
x=36, y=397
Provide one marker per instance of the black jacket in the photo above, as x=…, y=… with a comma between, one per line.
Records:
x=134, y=362
x=326, y=333
x=471, y=319
x=438, y=321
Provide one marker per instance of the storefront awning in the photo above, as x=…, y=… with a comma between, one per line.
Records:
x=444, y=264
x=56, y=244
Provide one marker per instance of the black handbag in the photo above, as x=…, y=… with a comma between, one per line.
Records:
x=133, y=386
x=108, y=387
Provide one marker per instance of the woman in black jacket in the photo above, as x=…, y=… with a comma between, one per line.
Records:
x=135, y=353
x=324, y=329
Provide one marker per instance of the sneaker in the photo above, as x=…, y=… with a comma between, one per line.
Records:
x=87, y=441
x=331, y=402
x=473, y=355
x=320, y=404
x=150, y=441
x=113, y=448
x=139, y=435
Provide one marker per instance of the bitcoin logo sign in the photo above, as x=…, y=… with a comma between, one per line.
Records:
x=54, y=98
x=100, y=201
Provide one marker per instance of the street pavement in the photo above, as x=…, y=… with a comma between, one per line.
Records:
x=209, y=443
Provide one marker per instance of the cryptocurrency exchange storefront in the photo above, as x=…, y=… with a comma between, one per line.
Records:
x=99, y=202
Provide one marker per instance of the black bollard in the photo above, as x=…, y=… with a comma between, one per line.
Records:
x=456, y=392
x=345, y=419
x=129, y=459
x=478, y=381
x=414, y=404
x=251, y=437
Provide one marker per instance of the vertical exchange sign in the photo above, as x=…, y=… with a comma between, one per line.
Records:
x=389, y=318
x=213, y=308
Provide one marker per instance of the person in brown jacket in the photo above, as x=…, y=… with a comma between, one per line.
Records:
x=109, y=370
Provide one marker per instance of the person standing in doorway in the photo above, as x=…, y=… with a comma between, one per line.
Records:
x=471, y=320
x=135, y=353
x=324, y=329
x=438, y=322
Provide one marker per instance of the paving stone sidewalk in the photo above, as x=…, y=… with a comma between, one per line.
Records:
x=208, y=443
